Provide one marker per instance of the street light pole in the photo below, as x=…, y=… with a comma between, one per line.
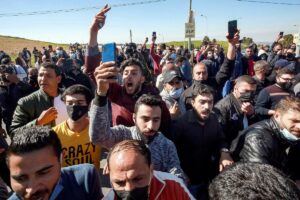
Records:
x=190, y=21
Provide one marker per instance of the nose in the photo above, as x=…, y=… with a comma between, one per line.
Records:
x=206, y=105
x=31, y=189
x=129, y=186
x=150, y=125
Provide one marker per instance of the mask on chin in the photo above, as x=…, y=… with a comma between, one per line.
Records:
x=289, y=136
x=140, y=193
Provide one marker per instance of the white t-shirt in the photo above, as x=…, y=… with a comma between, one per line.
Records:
x=61, y=109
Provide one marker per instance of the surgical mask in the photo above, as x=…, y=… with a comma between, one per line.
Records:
x=289, y=136
x=75, y=112
x=286, y=86
x=140, y=193
x=175, y=93
x=246, y=96
x=199, y=82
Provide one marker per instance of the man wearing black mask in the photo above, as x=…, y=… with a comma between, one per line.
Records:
x=132, y=176
x=270, y=96
x=236, y=111
x=73, y=133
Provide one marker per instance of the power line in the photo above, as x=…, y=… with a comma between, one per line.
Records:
x=271, y=2
x=46, y=12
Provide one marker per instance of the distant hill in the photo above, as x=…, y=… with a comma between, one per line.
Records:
x=13, y=45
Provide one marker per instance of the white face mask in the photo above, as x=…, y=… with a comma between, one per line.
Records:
x=289, y=136
x=175, y=93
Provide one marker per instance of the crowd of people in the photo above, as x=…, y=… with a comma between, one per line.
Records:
x=211, y=123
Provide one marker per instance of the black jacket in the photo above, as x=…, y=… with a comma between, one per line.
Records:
x=263, y=143
x=196, y=145
x=231, y=117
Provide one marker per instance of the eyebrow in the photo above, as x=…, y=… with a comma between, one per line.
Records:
x=41, y=170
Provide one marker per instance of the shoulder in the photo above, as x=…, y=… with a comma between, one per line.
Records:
x=30, y=97
x=14, y=197
x=80, y=172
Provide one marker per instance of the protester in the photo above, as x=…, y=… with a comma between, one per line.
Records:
x=132, y=176
x=253, y=181
x=43, y=107
x=74, y=132
x=267, y=141
x=33, y=159
x=198, y=137
x=123, y=97
x=147, y=117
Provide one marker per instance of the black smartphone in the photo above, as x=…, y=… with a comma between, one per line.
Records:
x=232, y=28
x=109, y=54
x=154, y=34
x=281, y=33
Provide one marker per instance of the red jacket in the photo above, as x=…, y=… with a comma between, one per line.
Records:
x=164, y=186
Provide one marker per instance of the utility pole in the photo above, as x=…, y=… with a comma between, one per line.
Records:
x=130, y=35
x=190, y=26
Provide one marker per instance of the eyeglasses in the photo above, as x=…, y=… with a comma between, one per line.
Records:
x=288, y=79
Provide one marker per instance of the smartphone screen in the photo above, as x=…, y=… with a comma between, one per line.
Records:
x=232, y=28
x=109, y=52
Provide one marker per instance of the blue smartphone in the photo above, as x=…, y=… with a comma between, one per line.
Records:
x=109, y=52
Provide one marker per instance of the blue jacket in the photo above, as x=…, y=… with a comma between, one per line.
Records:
x=76, y=182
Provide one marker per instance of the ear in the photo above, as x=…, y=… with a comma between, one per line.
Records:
x=143, y=79
x=58, y=78
x=134, y=117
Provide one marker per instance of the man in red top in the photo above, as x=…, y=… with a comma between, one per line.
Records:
x=156, y=56
x=122, y=97
x=132, y=177
x=249, y=60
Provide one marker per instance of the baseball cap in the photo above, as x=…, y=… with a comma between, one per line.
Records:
x=169, y=75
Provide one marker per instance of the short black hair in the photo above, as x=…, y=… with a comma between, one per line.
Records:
x=149, y=100
x=201, y=89
x=48, y=65
x=245, y=79
x=136, y=145
x=253, y=181
x=285, y=70
x=78, y=89
x=29, y=139
x=133, y=61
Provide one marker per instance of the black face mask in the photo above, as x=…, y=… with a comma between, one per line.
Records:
x=290, y=56
x=75, y=112
x=33, y=79
x=285, y=86
x=199, y=82
x=140, y=193
x=246, y=96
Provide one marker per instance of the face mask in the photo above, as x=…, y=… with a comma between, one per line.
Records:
x=75, y=112
x=285, y=86
x=289, y=136
x=246, y=96
x=290, y=56
x=199, y=82
x=33, y=79
x=175, y=94
x=140, y=193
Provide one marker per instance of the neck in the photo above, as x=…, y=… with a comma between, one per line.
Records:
x=260, y=76
x=79, y=125
x=52, y=93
